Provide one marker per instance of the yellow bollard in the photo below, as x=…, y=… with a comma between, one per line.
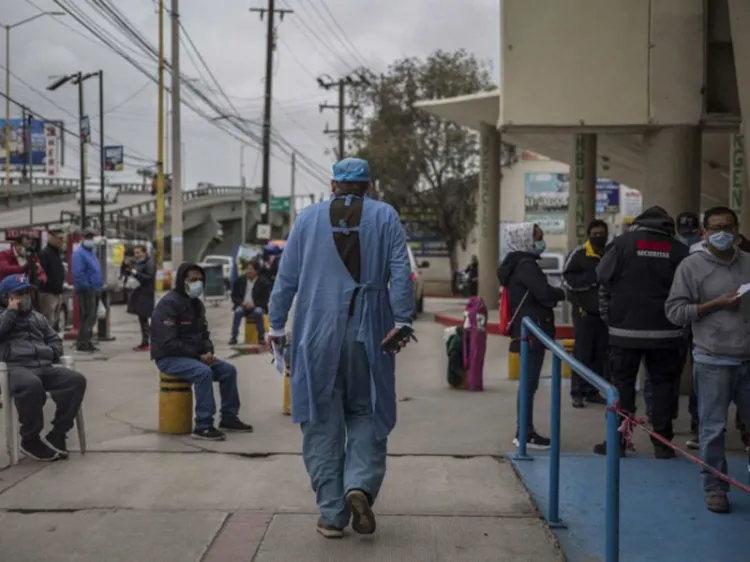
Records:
x=175, y=405
x=514, y=366
x=568, y=346
x=251, y=330
x=287, y=411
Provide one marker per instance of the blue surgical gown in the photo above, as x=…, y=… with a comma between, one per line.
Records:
x=312, y=268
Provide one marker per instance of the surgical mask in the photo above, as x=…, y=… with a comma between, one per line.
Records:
x=539, y=247
x=24, y=302
x=194, y=289
x=140, y=259
x=21, y=251
x=689, y=240
x=722, y=241
x=88, y=244
x=598, y=242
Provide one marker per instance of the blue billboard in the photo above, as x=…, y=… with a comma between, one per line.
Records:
x=18, y=157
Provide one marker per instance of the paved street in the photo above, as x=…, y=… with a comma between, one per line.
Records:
x=449, y=493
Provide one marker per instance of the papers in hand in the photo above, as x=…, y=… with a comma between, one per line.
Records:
x=743, y=289
x=278, y=357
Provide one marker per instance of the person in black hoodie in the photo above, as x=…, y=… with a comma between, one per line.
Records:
x=635, y=276
x=181, y=346
x=530, y=294
x=50, y=293
x=579, y=280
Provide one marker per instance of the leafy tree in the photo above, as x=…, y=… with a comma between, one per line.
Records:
x=419, y=160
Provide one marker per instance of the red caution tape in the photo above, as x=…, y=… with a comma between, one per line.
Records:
x=629, y=422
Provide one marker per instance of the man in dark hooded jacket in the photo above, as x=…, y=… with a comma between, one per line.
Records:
x=635, y=277
x=181, y=346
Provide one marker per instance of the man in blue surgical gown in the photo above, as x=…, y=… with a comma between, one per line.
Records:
x=346, y=261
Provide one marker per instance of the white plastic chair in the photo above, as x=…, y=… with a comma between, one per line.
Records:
x=11, y=419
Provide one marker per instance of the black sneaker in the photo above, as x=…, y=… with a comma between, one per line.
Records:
x=601, y=449
x=693, y=443
x=329, y=531
x=232, y=341
x=235, y=424
x=596, y=399
x=39, y=450
x=56, y=440
x=209, y=434
x=84, y=349
x=363, y=519
x=534, y=441
x=661, y=451
x=578, y=402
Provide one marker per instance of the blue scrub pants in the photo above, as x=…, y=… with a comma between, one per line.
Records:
x=340, y=451
x=202, y=376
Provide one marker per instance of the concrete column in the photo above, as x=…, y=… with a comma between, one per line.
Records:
x=673, y=169
x=488, y=213
x=739, y=22
x=582, y=189
x=739, y=197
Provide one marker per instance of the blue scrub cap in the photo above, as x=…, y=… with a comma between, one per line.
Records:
x=350, y=170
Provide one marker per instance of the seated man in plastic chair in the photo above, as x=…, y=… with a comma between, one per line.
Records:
x=181, y=346
x=250, y=294
x=30, y=348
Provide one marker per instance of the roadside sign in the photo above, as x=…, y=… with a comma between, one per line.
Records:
x=280, y=205
x=263, y=232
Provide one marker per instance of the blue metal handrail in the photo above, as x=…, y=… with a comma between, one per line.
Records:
x=612, y=505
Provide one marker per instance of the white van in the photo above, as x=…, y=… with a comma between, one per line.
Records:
x=552, y=265
x=416, y=277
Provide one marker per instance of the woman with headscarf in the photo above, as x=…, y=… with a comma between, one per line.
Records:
x=529, y=294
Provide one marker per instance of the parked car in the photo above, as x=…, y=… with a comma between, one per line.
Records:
x=93, y=192
x=552, y=265
x=416, y=277
x=226, y=265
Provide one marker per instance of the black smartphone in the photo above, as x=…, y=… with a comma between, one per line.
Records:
x=405, y=333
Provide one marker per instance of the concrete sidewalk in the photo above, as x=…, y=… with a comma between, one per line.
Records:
x=449, y=493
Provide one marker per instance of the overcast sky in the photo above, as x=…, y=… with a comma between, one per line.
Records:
x=232, y=41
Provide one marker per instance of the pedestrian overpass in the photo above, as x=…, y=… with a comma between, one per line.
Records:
x=212, y=216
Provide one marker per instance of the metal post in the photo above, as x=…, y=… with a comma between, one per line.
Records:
x=266, y=185
x=612, y=505
x=30, y=177
x=243, y=202
x=159, y=234
x=342, y=115
x=292, y=192
x=7, y=111
x=102, y=155
x=177, y=161
x=523, y=390
x=553, y=515
x=82, y=156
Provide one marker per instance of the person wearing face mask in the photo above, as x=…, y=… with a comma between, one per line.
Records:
x=704, y=297
x=141, y=301
x=21, y=259
x=50, y=293
x=181, y=346
x=31, y=349
x=87, y=284
x=530, y=294
x=582, y=287
x=635, y=276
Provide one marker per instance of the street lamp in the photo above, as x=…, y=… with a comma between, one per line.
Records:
x=77, y=79
x=7, y=85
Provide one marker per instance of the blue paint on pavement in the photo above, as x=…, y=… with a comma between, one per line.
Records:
x=662, y=518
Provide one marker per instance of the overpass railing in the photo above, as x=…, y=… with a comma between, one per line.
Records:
x=612, y=500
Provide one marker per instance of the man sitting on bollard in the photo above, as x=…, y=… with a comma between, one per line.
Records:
x=30, y=347
x=181, y=346
x=250, y=294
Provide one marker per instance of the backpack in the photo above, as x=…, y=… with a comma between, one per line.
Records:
x=506, y=315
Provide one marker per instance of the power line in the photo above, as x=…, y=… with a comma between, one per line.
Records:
x=129, y=98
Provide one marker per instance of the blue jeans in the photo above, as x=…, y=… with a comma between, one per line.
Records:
x=717, y=387
x=202, y=376
x=257, y=315
x=340, y=451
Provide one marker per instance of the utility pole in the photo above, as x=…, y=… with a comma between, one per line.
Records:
x=264, y=228
x=177, y=175
x=102, y=156
x=159, y=234
x=326, y=82
x=292, y=192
